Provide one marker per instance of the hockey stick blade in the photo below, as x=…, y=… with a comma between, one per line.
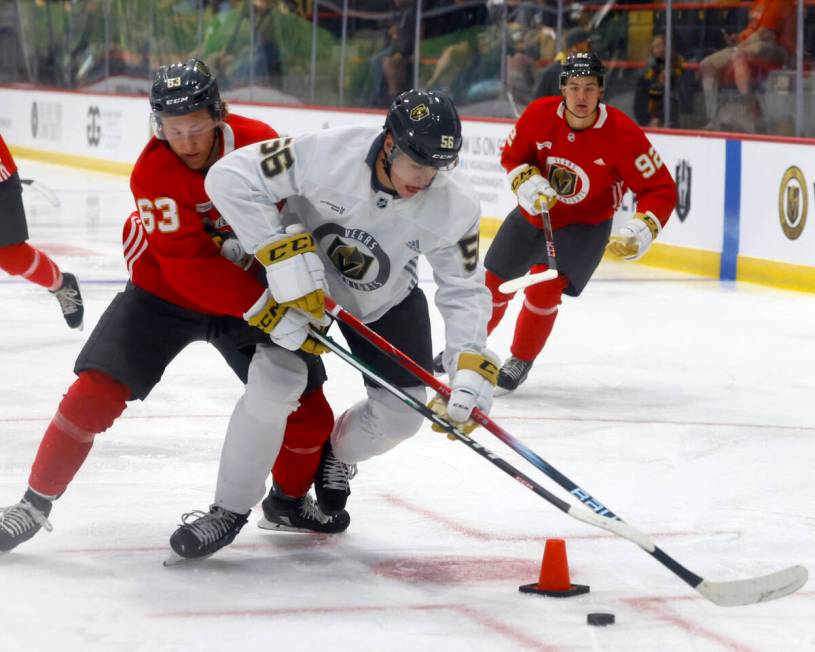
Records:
x=45, y=191
x=515, y=284
x=738, y=593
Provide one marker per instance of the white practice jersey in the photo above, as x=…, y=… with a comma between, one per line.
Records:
x=368, y=240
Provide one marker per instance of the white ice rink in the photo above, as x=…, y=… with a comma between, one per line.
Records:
x=684, y=404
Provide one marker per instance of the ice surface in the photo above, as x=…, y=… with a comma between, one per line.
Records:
x=684, y=404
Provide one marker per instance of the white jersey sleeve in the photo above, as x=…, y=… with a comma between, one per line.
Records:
x=247, y=185
x=462, y=297
x=368, y=240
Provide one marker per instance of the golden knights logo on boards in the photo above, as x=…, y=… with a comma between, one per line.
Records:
x=793, y=202
x=683, y=185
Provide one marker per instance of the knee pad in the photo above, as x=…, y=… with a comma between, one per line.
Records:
x=17, y=258
x=277, y=378
x=92, y=404
x=375, y=425
x=309, y=426
x=546, y=295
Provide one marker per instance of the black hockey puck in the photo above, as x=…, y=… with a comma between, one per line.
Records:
x=601, y=620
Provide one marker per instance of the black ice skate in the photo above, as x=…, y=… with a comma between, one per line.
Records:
x=438, y=365
x=513, y=372
x=206, y=535
x=332, y=482
x=70, y=300
x=22, y=521
x=282, y=512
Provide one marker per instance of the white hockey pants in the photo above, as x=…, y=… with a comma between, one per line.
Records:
x=375, y=425
x=277, y=378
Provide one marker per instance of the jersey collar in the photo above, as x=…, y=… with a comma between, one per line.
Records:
x=228, y=138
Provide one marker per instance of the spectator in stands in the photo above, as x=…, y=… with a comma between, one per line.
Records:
x=649, y=106
x=577, y=39
x=390, y=67
x=768, y=39
x=450, y=72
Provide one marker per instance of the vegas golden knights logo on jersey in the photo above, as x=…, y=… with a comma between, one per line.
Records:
x=349, y=260
x=563, y=180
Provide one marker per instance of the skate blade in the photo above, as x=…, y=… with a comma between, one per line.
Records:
x=500, y=391
x=266, y=524
x=177, y=560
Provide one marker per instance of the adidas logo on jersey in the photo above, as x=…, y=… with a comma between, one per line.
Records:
x=599, y=161
x=413, y=245
x=381, y=201
x=547, y=144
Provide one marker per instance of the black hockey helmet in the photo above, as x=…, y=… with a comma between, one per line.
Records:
x=425, y=126
x=582, y=64
x=182, y=88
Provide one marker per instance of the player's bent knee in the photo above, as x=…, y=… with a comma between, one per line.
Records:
x=16, y=259
x=93, y=402
x=394, y=420
x=310, y=424
x=493, y=281
x=547, y=294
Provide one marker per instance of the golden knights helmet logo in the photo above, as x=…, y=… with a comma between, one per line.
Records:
x=793, y=202
x=419, y=112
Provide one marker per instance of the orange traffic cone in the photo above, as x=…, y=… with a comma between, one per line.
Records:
x=554, y=576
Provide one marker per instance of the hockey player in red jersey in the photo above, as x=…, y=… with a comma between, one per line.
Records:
x=18, y=258
x=575, y=156
x=189, y=281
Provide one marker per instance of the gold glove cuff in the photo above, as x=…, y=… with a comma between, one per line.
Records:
x=279, y=250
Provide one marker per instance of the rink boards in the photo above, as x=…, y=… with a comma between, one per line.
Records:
x=742, y=208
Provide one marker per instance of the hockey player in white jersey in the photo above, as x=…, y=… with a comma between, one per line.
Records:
x=361, y=204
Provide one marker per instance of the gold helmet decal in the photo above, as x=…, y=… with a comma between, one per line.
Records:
x=793, y=202
x=419, y=112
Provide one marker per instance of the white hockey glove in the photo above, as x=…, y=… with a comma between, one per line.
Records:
x=294, y=271
x=533, y=191
x=286, y=328
x=472, y=385
x=635, y=237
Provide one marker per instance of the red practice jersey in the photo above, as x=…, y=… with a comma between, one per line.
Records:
x=168, y=244
x=7, y=166
x=589, y=169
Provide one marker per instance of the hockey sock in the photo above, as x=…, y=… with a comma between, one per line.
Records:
x=32, y=264
x=500, y=301
x=90, y=406
x=537, y=317
x=307, y=429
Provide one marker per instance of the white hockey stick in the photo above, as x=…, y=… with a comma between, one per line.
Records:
x=515, y=284
x=730, y=593
x=45, y=191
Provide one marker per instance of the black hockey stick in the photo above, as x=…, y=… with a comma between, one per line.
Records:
x=515, y=284
x=339, y=313
x=725, y=593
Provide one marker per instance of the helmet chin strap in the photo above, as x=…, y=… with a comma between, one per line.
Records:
x=215, y=142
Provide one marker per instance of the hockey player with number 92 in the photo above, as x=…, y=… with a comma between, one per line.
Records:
x=574, y=156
